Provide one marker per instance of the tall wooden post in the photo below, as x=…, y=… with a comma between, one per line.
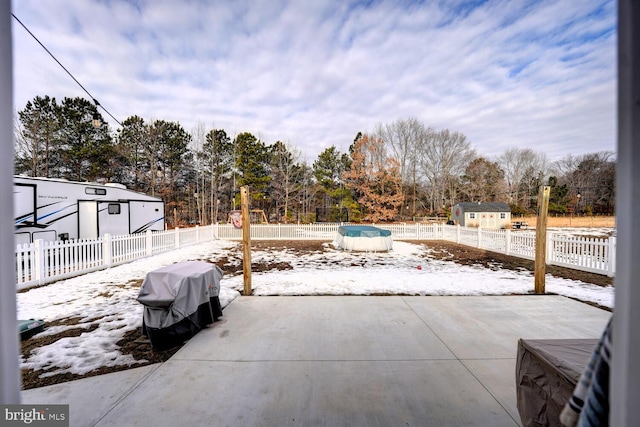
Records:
x=246, y=240
x=541, y=238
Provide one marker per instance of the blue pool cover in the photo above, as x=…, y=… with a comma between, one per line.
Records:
x=362, y=231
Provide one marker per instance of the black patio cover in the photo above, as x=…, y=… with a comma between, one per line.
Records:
x=547, y=372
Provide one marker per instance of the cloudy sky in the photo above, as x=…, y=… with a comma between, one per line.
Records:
x=507, y=74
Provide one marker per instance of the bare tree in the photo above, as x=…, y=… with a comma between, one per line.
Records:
x=523, y=168
x=403, y=137
x=23, y=149
x=594, y=179
x=443, y=157
x=285, y=171
x=307, y=193
x=198, y=137
x=564, y=166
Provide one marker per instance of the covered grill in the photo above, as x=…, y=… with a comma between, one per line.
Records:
x=547, y=372
x=179, y=300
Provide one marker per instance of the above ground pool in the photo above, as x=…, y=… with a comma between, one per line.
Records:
x=363, y=238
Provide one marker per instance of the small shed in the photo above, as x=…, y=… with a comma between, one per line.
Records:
x=482, y=214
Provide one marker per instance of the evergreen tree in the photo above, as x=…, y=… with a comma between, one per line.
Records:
x=132, y=170
x=328, y=170
x=483, y=181
x=558, y=197
x=37, y=151
x=169, y=151
x=217, y=156
x=85, y=151
x=252, y=163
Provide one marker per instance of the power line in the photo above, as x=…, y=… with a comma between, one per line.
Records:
x=95, y=101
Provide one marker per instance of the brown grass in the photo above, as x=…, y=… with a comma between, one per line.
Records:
x=575, y=221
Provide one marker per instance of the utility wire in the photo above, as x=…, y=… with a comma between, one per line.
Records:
x=95, y=101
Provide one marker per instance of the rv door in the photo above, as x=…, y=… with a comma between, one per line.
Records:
x=87, y=219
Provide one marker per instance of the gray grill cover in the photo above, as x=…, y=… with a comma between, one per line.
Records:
x=178, y=301
x=547, y=372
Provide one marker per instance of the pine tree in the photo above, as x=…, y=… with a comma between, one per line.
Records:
x=217, y=156
x=38, y=138
x=252, y=163
x=85, y=151
x=132, y=168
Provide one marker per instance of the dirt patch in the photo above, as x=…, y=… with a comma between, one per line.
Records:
x=135, y=344
x=31, y=378
x=299, y=247
x=233, y=267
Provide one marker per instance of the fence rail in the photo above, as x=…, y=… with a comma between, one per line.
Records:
x=42, y=262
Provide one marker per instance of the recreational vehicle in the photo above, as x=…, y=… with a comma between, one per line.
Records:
x=57, y=209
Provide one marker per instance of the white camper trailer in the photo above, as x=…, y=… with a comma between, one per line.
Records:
x=56, y=209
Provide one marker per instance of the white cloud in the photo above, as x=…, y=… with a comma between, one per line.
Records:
x=507, y=74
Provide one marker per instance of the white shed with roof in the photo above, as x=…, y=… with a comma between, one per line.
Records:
x=482, y=214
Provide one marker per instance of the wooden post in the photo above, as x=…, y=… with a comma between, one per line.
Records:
x=541, y=238
x=246, y=240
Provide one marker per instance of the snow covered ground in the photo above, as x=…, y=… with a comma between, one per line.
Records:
x=105, y=301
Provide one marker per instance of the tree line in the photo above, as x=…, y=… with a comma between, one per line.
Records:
x=400, y=170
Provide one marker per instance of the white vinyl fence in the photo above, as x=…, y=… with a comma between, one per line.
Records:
x=42, y=262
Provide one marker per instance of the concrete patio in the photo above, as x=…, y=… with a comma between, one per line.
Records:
x=336, y=361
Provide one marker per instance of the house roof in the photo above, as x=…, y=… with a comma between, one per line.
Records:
x=484, y=207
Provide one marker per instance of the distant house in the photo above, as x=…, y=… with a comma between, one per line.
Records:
x=482, y=214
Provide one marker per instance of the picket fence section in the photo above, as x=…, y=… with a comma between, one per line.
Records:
x=42, y=262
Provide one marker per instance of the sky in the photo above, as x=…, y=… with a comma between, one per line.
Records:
x=107, y=298
x=506, y=73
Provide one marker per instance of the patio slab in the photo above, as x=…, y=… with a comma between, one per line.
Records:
x=89, y=399
x=317, y=328
x=337, y=360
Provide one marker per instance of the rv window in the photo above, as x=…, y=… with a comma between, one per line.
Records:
x=114, y=209
x=95, y=191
